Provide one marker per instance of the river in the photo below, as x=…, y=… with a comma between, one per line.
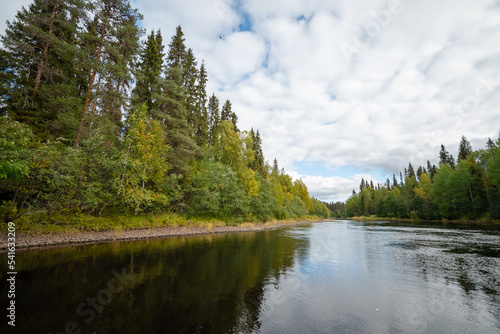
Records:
x=328, y=277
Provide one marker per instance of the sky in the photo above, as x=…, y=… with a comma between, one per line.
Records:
x=344, y=90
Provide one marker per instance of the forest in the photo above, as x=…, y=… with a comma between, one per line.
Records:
x=99, y=117
x=467, y=188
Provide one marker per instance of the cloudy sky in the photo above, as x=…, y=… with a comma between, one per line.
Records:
x=342, y=90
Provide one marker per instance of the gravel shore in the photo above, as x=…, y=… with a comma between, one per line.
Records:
x=24, y=241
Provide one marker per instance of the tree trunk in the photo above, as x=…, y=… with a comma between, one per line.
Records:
x=91, y=83
x=44, y=54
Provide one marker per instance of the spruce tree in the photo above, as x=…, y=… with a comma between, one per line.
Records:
x=214, y=118
x=177, y=130
x=176, y=50
x=202, y=130
x=420, y=170
x=275, y=165
x=227, y=114
x=411, y=171
x=464, y=149
x=148, y=75
x=190, y=76
x=490, y=144
x=258, y=163
x=445, y=158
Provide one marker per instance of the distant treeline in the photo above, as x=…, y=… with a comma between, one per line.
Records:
x=466, y=188
x=95, y=119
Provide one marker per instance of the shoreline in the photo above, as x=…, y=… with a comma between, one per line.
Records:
x=419, y=220
x=48, y=240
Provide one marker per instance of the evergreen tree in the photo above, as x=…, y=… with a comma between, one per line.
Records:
x=275, y=165
x=394, y=181
x=202, y=114
x=420, y=170
x=175, y=123
x=431, y=169
x=258, y=163
x=213, y=118
x=41, y=50
x=464, y=149
x=227, y=114
x=445, y=158
x=190, y=76
x=112, y=41
x=411, y=171
x=176, y=50
x=148, y=86
x=490, y=144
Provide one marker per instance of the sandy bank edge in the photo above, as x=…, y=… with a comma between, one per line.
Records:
x=24, y=242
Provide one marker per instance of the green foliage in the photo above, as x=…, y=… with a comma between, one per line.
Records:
x=16, y=141
x=320, y=209
x=265, y=204
x=216, y=192
x=148, y=74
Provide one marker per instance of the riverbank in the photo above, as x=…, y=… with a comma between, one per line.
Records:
x=31, y=241
x=442, y=221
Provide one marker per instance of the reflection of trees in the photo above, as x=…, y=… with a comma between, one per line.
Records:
x=212, y=283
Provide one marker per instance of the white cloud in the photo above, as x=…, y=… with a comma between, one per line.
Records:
x=234, y=57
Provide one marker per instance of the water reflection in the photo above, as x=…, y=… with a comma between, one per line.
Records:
x=332, y=277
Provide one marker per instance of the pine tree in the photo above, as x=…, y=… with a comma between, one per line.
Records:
x=175, y=123
x=190, y=76
x=464, y=149
x=112, y=41
x=411, y=171
x=258, y=163
x=490, y=144
x=202, y=130
x=213, y=118
x=394, y=181
x=445, y=158
x=41, y=50
x=226, y=111
x=420, y=170
x=227, y=114
x=176, y=50
x=147, y=89
x=275, y=165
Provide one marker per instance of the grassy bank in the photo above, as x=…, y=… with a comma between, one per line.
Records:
x=442, y=221
x=38, y=224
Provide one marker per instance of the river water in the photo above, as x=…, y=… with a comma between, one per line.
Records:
x=329, y=277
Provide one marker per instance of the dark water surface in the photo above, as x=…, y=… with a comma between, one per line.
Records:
x=330, y=277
